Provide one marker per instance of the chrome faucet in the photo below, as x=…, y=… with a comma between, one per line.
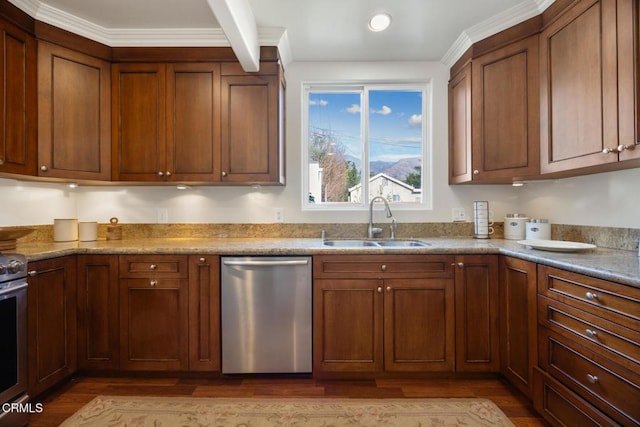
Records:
x=372, y=231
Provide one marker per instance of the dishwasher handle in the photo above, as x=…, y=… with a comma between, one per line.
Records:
x=266, y=263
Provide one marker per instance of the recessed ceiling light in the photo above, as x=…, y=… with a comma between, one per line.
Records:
x=379, y=22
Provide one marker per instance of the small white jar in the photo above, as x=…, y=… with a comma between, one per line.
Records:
x=538, y=229
x=515, y=226
x=65, y=229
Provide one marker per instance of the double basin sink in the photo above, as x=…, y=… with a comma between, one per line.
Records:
x=390, y=243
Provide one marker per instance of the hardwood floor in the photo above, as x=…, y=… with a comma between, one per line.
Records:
x=72, y=396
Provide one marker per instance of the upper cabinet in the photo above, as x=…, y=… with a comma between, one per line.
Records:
x=17, y=101
x=494, y=116
x=74, y=114
x=190, y=122
x=252, y=109
x=588, y=60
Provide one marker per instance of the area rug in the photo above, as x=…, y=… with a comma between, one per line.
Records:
x=123, y=411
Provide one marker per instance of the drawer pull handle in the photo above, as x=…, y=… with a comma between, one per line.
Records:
x=591, y=334
x=592, y=296
x=384, y=267
x=592, y=379
x=379, y=289
x=153, y=283
x=153, y=266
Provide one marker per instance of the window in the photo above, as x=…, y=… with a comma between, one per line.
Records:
x=365, y=141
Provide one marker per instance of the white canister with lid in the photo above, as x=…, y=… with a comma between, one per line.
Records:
x=515, y=226
x=538, y=229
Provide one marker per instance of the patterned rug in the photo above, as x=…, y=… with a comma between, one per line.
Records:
x=106, y=411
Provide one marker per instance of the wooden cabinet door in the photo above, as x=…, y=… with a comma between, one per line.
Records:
x=204, y=313
x=628, y=86
x=74, y=114
x=347, y=326
x=154, y=322
x=476, y=294
x=98, y=303
x=52, y=326
x=138, y=122
x=506, y=113
x=251, y=134
x=460, y=168
x=578, y=78
x=193, y=122
x=419, y=325
x=518, y=326
x=18, y=99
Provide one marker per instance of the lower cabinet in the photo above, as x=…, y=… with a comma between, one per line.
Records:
x=383, y=313
x=518, y=322
x=98, y=325
x=154, y=316
x=51, y=318
x=476, y=297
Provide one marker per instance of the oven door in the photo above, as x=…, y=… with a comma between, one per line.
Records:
x=13, y=339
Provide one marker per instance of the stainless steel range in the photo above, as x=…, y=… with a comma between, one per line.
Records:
x=13, y=339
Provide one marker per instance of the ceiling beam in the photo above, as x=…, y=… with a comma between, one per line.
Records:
x=239, y=25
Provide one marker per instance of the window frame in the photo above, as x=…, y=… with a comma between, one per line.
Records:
x=424, y=86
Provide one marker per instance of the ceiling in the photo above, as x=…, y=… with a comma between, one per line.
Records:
x=311, y=30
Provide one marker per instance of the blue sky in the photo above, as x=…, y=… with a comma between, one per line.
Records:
x=395, y=121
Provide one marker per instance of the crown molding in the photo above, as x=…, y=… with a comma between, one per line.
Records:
x=510, y=17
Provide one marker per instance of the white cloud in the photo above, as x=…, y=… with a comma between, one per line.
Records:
x=415, y=120
x=354, y=109
x=384, y=111
x=319, y=102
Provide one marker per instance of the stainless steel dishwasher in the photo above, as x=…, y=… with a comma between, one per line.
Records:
x=266, y=315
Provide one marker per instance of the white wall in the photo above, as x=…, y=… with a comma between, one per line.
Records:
x=604, y=199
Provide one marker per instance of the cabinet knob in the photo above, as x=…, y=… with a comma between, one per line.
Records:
x=43, y=168
x=592, y=379
x=591, y=296
x=610, y=150
x=379, y=289
x=153, y=267
x=476, y=172
x=388, y=288
x=153, y=283
x=203, y=260
x=591, y=334
x=32, y=273
x=383, y=267
x=621, y=147
x=224, y=173
x=1, y=162
x=168, y=173
x=160, y=173
x=457, y=264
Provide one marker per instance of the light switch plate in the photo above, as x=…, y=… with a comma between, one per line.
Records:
x=162, y=215
x=278, y=214
x=458, y=215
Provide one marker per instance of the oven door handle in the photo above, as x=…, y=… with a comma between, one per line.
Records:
x=12, y=289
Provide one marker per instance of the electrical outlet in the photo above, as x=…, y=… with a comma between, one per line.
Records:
x=162, y=215
x=458, y=215
x=278, y=214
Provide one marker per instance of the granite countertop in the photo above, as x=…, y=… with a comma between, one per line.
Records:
x=609, y=264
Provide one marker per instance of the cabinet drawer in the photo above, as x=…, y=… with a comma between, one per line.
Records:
x=381, y=266
x=611, y=388
x=598, y=334
x=599, y=297
x=141, y=266
x=561, y=407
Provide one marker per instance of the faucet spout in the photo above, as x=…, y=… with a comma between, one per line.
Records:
x=371, y=231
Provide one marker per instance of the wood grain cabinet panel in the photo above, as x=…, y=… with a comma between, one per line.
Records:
x=18, y=100
x=589, y=95
x=204, y=313
x=252, y=116
x=460, y=137
x=74, y=117
x=98, y=319
x=476, y=297
x=52, y=322
x=518, y=322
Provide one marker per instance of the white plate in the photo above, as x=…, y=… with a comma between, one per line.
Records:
x=557, y=245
